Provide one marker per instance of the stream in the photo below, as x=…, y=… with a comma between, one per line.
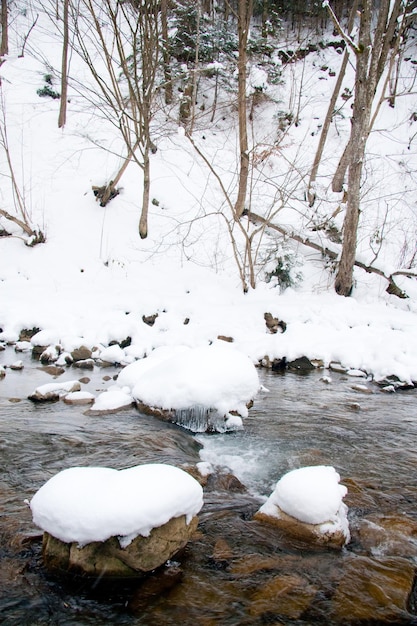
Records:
x=235, y=570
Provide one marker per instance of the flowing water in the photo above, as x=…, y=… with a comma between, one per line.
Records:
x=235, y=570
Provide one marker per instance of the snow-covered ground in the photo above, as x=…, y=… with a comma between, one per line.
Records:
x=94, y=279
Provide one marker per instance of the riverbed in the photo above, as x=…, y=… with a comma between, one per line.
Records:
x=235, y=570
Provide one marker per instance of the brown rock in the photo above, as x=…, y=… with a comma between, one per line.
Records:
x=53, y=370
x=309, y=533
x=373, y=589
x=154, y=586
x=222, y=552
x=288, y=595
x=80, y=354
x=390, y=535
x=85, y=364
x=273, y=324
x=108, y=559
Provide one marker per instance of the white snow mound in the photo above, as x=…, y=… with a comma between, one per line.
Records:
x=85, y=504
x=310, y=494
x=216, y=376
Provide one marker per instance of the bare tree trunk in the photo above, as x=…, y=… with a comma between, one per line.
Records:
x=330, y=112
x=143, y=222
x=340, y=173
x=4, y=44
x=244, y=16
x=64, y=70
x=371, y=57
x=165, y=53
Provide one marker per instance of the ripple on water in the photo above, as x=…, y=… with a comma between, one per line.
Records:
x=235, y=568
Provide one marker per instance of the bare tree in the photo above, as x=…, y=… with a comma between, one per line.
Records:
x=330, y=112
x=165, y=52
x=245, y=9
x=64, y=69
x=21, y=216
x=126, y=38
x=374, y=46
x=4, y=43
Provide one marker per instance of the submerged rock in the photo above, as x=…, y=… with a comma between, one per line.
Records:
x=288, y=595
x=373, y=591
x=108, y=559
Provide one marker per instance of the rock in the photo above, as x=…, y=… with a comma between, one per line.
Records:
x=26, y=334
x=337, y=367
x=149, y=319
x=110, y=401
x=373, y=591
x=23, y=346
x=107, y=559
x=79, y=398
x=113, y=355
x=329, y=535
x=154, y=586
x=307, y=503
x=50, y=355
x=273, y=324
x=222, y=552
x=303, y=364
x=287, y=595
x=53, y=370
x=218, y=481
x=362, y=389
x=81, y=354
x=17, y=366
x=389, y=535
x=85, y=364
x=37, y=351
x=52, y=392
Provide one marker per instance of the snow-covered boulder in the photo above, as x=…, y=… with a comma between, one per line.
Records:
x=51, y=392
x=111, y=401
x=113, y=355
x=204, y=388
x=79, y=398
x=308, y=503
x=101, y=521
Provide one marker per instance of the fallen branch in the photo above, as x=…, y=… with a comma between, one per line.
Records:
x=27, y=229
x=392, y=288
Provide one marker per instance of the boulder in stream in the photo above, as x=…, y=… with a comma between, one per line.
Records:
x=108, y=559
x=307, y=503
x=99, y=521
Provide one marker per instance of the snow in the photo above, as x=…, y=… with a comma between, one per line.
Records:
x=85, y=504
x=112, y=399
x=216, y=376
x=93, y=279
x=312, y=495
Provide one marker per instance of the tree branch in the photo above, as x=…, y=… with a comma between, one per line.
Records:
x=331, y=254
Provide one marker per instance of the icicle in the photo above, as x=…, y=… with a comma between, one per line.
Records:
x=201, y=419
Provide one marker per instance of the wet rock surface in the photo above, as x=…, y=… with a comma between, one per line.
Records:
x=107, y=559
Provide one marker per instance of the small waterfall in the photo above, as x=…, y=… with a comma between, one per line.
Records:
x=200, y=419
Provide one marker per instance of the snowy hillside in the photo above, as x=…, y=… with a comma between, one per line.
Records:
x=94, y=279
